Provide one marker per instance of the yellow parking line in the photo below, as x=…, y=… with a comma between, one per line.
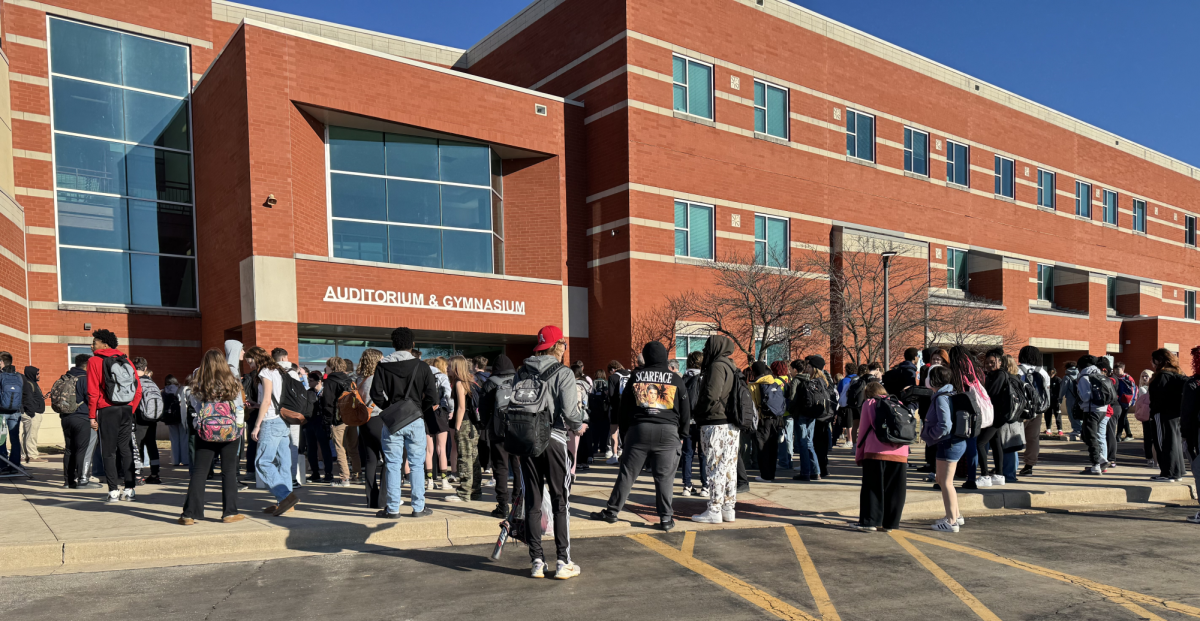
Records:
x=746, y=591
x=689, y=543
x=1142, y=613
x=815, y=586
x=971, y=601
x=1116, y=594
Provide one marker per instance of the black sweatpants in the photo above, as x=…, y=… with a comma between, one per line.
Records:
x=1110, y=436
x=251, y=450
x=501, y=462
x=116, y=445
x=1121, y=413
x=77, y=433
x=768, y=452
x=206, y=452
x=1149, y=438
x=1170, y=448
x=370, y=454
x=659, y=443
x=1054, y=412
x=746, y=442
x=823, y=439
x=884, y=485
x=147, y=441
x=551, y=469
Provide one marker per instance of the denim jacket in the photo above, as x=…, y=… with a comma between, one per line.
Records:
x=939, y=420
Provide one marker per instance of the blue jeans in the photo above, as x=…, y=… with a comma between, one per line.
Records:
x=805, y=428
x=274, y=461
x=692, y=450
x=1009, y=466
x=179, y=444
x=14, y=437
x=411, y=438
x=786, y=443
x=972, y=455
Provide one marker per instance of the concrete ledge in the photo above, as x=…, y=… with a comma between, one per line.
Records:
x=33, y=556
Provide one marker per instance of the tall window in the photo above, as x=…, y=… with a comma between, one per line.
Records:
x=693, y=230
x=860, y=135
x=1045, y=282
x=685, y=345
x=1112, y=292
x=123, y=167
x=1046, y=191
x=1189, y=304
x=956, y=269
x=916, y=151
x=1189, y=230
x=1004, y=177
x=1083, y=199
x=1110, y=206
x=413, y=200
x=770, y=110
x=958, y=164
x=693, y=86
x=1139, y=215
x=771, y=241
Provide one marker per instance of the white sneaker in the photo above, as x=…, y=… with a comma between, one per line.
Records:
x=708, y=517
x=1195, y=519
x=564, y=571
x=983, y=482
x=608, y=454
x=113, y=496
x=428, y=484
x=728, y=515
x=703, y=492
x=539, y=568
x=998, y=479
x=1150, y=463
x=762, y=480
x=127, y=494
x=945, y=526
x=961, y=521
x=446, y=486
x=453, y=498
x=687, y=491
x=489, y=483
x=612, y=460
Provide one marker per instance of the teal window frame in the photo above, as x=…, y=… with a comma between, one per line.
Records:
x=689, y=237
x=1139, y=215
x=1005, y=176
x=957, y=274
x=860, y=135
x=684, y=75
x=1046, y=189
x=1083, y=199
x=958, y=164
x=1045, y=282
x=1189, y=305
x=912, y=163
x=767, y=233
x=1109, y=201
x=768, y=98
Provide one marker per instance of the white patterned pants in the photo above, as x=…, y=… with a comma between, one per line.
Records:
x=720, y=444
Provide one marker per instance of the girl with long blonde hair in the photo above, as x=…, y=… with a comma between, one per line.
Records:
x=370, y=435
x=465, y=429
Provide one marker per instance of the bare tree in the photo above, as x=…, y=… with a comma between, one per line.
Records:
x=854, y=318
x=755, y=304
x=656, y=323
x=968, y=322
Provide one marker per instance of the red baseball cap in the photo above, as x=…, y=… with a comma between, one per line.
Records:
x=548, y=337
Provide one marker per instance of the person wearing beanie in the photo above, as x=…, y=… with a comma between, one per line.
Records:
x=655, y=413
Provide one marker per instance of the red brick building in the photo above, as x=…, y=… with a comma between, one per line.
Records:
x=290, y=182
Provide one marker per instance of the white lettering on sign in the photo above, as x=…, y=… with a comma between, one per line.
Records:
x=402, y=299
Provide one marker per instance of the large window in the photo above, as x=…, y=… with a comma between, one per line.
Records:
x=122, y=167
x=413, y=200
x=1045, y=282
x=1046, y=187
x=1083, y=199
x=771, y=241
x=1189, y=230
x=1110, y=206
x=958, y=164
x=770, y=110
x=956, y=269
x=916, y=151
x=693, y=230
x=1004, y=177
x=693, y=86
x=1139, y=215
x=860, y=135
x=1189, y=304
x=685, y=345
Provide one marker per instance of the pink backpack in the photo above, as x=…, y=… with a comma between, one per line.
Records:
x=216, y=422
x=1141, y=409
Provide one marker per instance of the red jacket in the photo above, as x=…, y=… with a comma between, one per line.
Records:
x=95, y=370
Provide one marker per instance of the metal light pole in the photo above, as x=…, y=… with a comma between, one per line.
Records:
x=887, y=315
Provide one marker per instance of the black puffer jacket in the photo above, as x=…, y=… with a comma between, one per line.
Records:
x=655, y=394
x=33, y=401
x=719, y=375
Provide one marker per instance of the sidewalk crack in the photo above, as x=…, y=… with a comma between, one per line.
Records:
x=233, y=588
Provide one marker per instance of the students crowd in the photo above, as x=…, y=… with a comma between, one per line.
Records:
x=396, y=421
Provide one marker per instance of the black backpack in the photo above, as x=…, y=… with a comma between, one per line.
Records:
x=1103, y=391
x=529, y=415
x=918, y=398
x=1035, y=402
x=964, y=420
x=772, y=403
x=894, y=381
x=813, y=400
x=497, y=403
x=1016, y=401
x=855, y=395
x=172, y=413
x=740, y=410
x=894, y=423
x=294, y=396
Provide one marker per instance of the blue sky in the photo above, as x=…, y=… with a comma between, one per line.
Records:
x=1132, y=68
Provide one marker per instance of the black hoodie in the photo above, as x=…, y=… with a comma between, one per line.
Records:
x=502, y=372
x=33, y=400
x=335, y=384
x=655, y=394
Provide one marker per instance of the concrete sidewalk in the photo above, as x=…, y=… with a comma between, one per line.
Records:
x=49, y=529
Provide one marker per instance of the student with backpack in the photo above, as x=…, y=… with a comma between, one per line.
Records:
x=945, y=428
x=1092, y=411
x=317, y=441
x=717, y=411
x=767, y=392
x=344, y=437
x=405, y=391
x=1036, y=383
x=1127, y=396
x=146, y=417
x=904, y=374
x=888, y=428
x=68, y=397
x=543, y=412
x=114, y=392
x=1111, y=416
x=464, y=424
x=273, y=462
x=1166, y=396
x=370, y=433
x=437, y=427
x=497, y=392
x=12, y=391
x=218, y=417
x=692, y=449
x=813, y=407
x=172, y=417
x=656, y=412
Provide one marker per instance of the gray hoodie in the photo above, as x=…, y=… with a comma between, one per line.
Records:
x=567, y=415
x=1085, y=390
x=1067, y=390
x=233, y=355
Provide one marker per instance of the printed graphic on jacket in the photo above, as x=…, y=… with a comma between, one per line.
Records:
x=657, y=395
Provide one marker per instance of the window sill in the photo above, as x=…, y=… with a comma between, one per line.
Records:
x=1047, y=209
x=127, y=310
x=694, y=119
x=1001, y=197
x=770, y=138
x=1137, y=232
x=693, y=260
x=909, y=173
x=955, y=186
x=1083, y=218
x=1110, y=225
x=862, y=162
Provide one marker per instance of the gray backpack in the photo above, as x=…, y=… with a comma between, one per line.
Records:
x=530, y=413
x=120, y=380
x=151, y=406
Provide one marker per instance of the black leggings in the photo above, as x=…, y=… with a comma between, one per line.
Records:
x=147, y=440
x=370, y=453
x=990, y=437
x=77, y=433
x=1056, y=412
x=206, y=452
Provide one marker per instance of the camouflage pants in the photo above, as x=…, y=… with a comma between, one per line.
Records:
x=470, y=472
